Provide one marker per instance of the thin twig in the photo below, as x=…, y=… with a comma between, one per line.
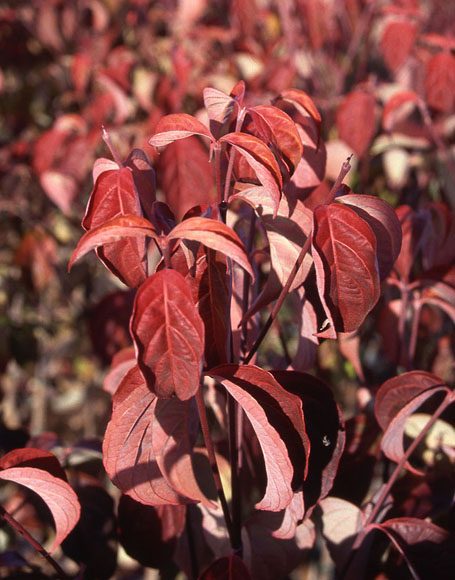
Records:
x=213, y=463
x=19, y=528
x=279, y=303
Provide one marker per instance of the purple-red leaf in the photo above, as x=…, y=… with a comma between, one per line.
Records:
x=382, y=219
x=397, y=42
x=169, y=335
x=177, y=126
x=397, y=392
x=344, y=253
x=35, y=469
x=185, y=175
x=214, y=235
x=440, y=81
x=115, y=230
x=278, y=129
x=425, y=546
x=396, y=400
x=277, y=419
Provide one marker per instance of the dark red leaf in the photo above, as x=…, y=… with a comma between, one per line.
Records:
x=215, y=235
x=440, y=82
x=277, y=419
x=344, y=253
x=392, y=441
x=186, y=176
x=148, y=444
x=177, y=126
x=397, y=42
x=356, y=121
x=325, y=430
x=382, y=219
x=31, y=457
x=211, y=295
x=301, y=100
x=269, y=557
x=97, y=522
x=424, y=546
x=279, y=130
x=397, y=392
x=227, y=568
x=169, y=335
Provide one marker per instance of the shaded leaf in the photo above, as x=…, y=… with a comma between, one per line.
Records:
x=148, y=445
x=149, y=533
x=302, y=100
x=261, y=160
x=277, y=419
x=226, y=568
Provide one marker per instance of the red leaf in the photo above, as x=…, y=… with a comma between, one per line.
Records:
x=56, y=494
x=397, y=392
x=142, y=431
x=119, y=192
x=31, y=457
x=186, y=176
x=219, y=107
x=277, y=418
x=279, y=130
x=227, y=568
x=215, y=235
x=344, y=253
x=392, y=441
x=261, y=160
x=356, y=122
x=301, y=100
x=440, y=82
x=397, y=42
x=169, y=335
x=177, y=126
x=115, y=230
x=382, y=219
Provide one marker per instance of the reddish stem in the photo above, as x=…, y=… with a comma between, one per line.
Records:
x=19, y=528
x=279, y=303
x=107, y=139
x=213, y=464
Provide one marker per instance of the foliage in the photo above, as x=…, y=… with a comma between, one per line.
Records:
x=280, y=361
